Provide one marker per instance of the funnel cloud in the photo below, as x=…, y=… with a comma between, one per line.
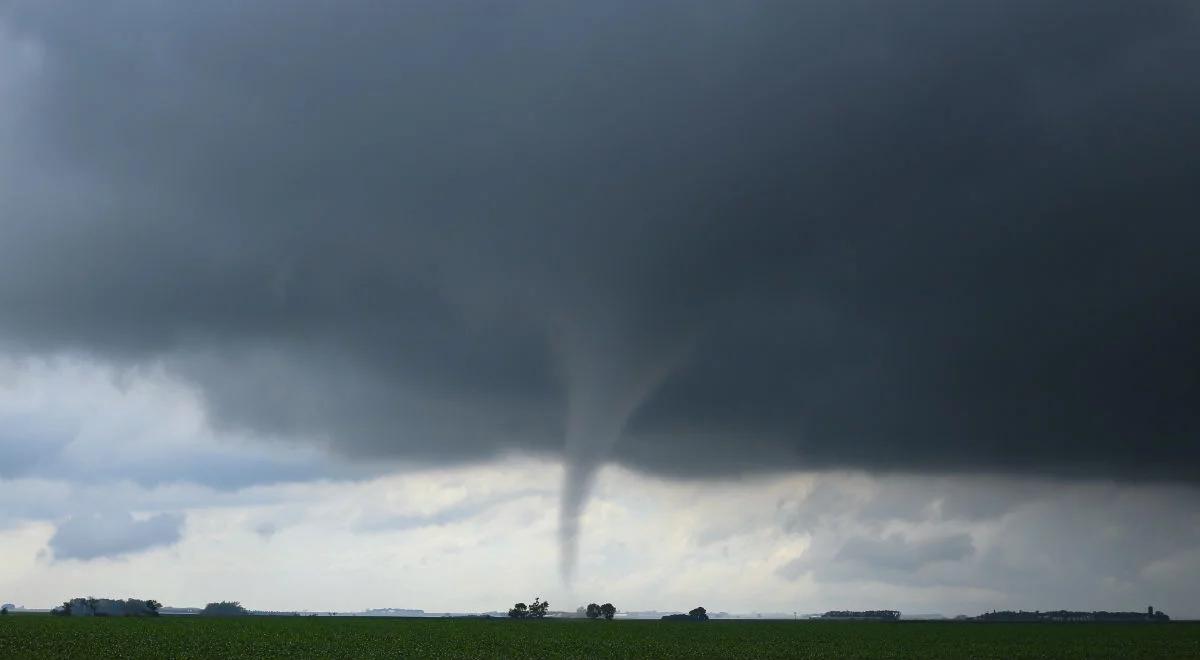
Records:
x=695, y=239
x=606, y=381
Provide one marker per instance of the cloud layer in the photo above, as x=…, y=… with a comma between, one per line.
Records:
x=918, y=237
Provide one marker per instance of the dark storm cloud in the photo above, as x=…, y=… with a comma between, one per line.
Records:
x=919, y=236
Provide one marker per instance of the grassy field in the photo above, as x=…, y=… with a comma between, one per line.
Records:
x=40, y=636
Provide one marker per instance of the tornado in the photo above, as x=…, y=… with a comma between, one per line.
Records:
x=607, y=378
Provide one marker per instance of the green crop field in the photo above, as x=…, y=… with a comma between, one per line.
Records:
x=39, y=636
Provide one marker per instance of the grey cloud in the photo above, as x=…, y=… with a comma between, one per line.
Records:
x=97, y=535
x=1041, y=544
x=898, y=553
x=920, y=237
x=1119, y=534
x=908, y=499
x=827, y=499
x=71, y=421
x=56, y=500
x=18, y=455
x=377, y=521
x=33, y=500
x=225, y=468
x=893, y=558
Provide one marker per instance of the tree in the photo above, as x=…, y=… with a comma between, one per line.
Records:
x=519, y=611
x=3, y=611
x=224, y=608
x=129, y=607
x=608, y=611
x=539, y=608
x=698, y=614
x=593, y=611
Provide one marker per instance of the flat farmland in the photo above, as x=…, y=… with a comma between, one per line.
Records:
x=43, y=636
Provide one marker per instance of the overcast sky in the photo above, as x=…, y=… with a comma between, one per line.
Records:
x=763, y=305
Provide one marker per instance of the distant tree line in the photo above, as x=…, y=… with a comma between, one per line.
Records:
x=224, y=608
x=698, y=614
x=107, y=607
x=885, y=615
x=535, y=611
x=1069, y=616
x=594, y=611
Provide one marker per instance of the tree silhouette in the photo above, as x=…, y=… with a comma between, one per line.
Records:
x=519, y=611
x=539, y=608
x=593, y=611
x=699, y=614
x=224, y=608
x=608, y=611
